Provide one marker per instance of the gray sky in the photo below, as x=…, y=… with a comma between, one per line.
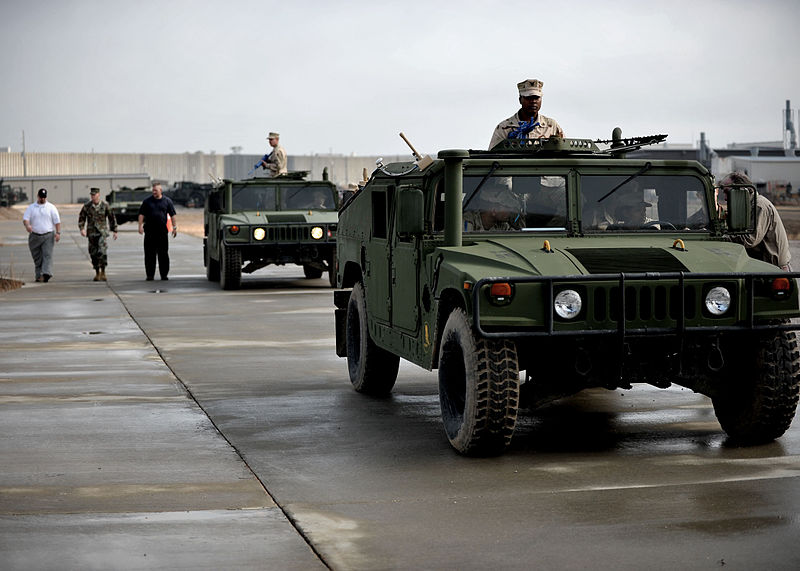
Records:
x=347, y=76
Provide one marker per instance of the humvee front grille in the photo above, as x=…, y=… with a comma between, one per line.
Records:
x=643, y=304
x=288, y=233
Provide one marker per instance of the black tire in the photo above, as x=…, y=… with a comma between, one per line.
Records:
x=759, y=399
x=212, y=265
x=478, y=389
x=230, y=260
x=311, y=273
x=196, y=200
x=373, y=371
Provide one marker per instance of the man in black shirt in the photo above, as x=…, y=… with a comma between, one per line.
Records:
x=153, y=224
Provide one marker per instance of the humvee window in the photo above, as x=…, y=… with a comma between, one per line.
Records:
x=514, y=203
x=308, y=198
x=654, y=203
x=249, y=197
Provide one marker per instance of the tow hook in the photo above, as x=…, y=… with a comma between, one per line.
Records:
x=715, y=360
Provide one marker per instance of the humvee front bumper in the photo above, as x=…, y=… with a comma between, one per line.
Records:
x=636, y=304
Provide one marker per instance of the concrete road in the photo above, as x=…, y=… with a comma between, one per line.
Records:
x=194, y=398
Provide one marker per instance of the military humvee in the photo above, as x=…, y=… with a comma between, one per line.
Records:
x=542, y=267
x=281, y=220
x=125, y=203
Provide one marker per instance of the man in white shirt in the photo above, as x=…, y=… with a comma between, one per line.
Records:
x=43, y=224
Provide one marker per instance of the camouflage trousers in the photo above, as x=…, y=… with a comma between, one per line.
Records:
x=97, y=249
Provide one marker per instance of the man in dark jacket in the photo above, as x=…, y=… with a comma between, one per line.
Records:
x=153, y=217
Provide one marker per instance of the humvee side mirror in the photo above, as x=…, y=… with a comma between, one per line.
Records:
x=410, y=211
x=741, y=209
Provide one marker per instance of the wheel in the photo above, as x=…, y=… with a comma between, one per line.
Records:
x=230, y=261
x=478, y=388
x=196, y=200
x=759, y=400
x=373, y=370
x=212, y=265
x=311, y=273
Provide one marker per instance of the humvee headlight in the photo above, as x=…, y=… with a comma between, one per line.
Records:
x=122, y=210
x=259, y=233
x=568, y=304
x=718, y=300
x=316, y=233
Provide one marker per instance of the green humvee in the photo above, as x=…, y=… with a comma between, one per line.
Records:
x=543, y=267
x=282, y=220
x=125, y=203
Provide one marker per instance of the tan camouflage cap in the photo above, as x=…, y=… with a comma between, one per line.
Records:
x=273, y=135
x=94, y=191
x=530, y=87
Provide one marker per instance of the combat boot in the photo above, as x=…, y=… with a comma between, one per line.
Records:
x=96, y=275
x=103, y=274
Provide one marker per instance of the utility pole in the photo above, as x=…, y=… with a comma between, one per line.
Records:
x=24, y=158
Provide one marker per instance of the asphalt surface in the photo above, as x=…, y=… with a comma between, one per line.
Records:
x=171, y=425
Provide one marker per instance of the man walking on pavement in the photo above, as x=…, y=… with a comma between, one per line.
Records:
x=153, y=215
x=94, y=215
x=43, y=224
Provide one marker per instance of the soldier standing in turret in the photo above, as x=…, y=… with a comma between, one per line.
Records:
x=527, y=123
x=276, y=160
x=93, y=216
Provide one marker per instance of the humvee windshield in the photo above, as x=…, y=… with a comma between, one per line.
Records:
x=660, y=203
x=313, y=197
x=267, y=197
x=517, y=202
x=252, y=197
x=608, y=203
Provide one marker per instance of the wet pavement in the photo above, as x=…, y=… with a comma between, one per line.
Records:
x=164, y=425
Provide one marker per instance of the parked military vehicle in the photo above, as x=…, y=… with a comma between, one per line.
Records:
x=281, y=220
x=10, y=196
x=125, y=202
x=189, y=194
x=543, y=267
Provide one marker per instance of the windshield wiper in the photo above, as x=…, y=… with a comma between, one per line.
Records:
x=495, y=166
x=646, y=167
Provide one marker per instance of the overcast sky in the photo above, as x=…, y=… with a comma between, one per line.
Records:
x=347, y=76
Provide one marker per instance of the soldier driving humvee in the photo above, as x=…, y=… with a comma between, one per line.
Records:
x=496, y=207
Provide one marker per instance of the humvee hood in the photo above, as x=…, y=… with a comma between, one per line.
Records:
x=519, y=256
x=284, y=217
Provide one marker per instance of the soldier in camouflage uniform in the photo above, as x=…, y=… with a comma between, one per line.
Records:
x=527, y=123
x=276, y=160
x=93, y=216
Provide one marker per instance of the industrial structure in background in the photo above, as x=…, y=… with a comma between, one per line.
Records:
x=773, y=165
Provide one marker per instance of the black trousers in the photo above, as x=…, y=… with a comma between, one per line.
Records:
x=156, y=246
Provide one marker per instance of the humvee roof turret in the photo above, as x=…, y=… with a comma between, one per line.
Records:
x=542, y=267
x=257, y=222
